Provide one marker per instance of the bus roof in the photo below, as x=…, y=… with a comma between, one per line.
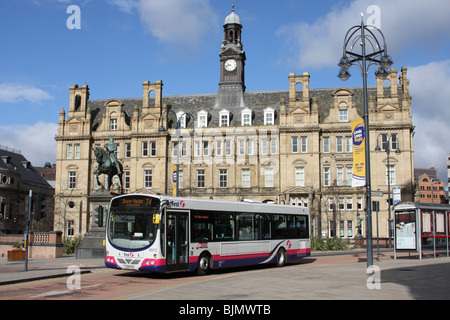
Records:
x=223, y=205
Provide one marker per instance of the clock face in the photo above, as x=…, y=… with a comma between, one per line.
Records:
x=230, y=65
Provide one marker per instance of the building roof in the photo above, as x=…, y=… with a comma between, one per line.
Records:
x=257, y=101
x=430, y=172
x=232, y=18
x=16, y=162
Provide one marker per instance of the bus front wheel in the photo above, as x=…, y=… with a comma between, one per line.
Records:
x=203, y=265
x=281, y=258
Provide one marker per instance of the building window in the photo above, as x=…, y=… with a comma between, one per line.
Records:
x=273, y=146
x=268, y=178
x=304, y=141
x=174, y=149
x=127, y=150
x=148, y=179
x=153, y=148
x=69, y=151
x=340, y=176
x=390, y=173
x=269, y=118
x=72, y=180
x=241, y=147
x=263, y=147
x=219, y=148
x=70, y=228
x=348, y=144
x=77, y=151
x=144, y=148
x=205, y=148
x=250, y=147
x=300, y=177
x=349, y=203
x=349, y=177
x=223, y=178
x=394, y=141
x=245, y=178
x=227, y=147
x=200, y=178
x=202, y=119
x=181, y=119
x=326, y=144
x=127, y=180
x=343, y=115
x=113, y=125
x=246, y=117
x=326, y=176
x=294, y=143
x=224, y=117
x=196, y=148
x=339, y=144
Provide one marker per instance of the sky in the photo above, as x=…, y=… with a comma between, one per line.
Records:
x=115, y=45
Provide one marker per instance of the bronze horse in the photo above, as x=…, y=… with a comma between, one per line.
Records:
x=106, y=166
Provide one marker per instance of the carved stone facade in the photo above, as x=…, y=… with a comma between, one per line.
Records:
x=291, y=147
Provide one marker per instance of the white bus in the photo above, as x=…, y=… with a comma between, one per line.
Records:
x=164, y=234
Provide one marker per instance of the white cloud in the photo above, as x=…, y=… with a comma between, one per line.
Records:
x=124, y=5
x=430, y=91
x=13, y=92
x=417, y=24
x=36, y=142
x=182, y=23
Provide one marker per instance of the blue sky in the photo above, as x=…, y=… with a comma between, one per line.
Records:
x=122, y=43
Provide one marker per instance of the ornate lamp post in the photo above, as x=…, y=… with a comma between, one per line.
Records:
x=371, y=51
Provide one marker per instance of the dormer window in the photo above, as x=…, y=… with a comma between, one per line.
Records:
x=246, y=117
x=181, y=118
x=6, y=159
x=224, y=118
x=26, y=164
x=202, y=119
x=269, y=117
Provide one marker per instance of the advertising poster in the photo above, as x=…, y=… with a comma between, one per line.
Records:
x=405, y=231
x=359, y=154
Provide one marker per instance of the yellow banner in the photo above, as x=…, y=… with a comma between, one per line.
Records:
x=174, y=180
x=359, y=153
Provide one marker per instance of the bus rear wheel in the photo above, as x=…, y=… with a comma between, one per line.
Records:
x=203, y=265
x=281, y=258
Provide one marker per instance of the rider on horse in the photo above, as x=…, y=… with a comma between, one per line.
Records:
x=111, y=151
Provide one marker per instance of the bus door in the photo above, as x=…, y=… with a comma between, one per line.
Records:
x=177, y=240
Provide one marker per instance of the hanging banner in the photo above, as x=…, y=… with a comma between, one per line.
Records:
x=174, y=180
x=359, y=153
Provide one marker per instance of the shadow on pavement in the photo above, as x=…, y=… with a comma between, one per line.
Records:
x=424, y=282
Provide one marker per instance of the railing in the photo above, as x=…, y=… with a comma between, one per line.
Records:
x=42, y=245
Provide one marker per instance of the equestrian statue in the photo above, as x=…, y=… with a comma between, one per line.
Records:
x=108, y=164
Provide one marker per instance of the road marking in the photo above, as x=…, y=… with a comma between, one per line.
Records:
x=56, y=293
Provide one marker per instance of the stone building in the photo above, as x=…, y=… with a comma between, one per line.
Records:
x=17, y=177
x=291, y=147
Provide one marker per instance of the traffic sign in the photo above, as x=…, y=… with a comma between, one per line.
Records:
x=377, y=193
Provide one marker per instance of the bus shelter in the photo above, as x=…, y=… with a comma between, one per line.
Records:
x=421, y=227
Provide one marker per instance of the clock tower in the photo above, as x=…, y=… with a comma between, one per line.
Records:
x=232, y=65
